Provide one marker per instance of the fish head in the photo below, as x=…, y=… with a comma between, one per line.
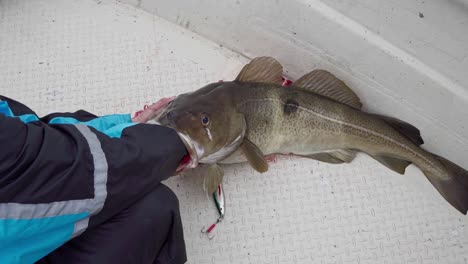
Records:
x=207, y=121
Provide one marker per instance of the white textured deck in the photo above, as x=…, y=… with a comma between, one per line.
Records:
x=106, y=57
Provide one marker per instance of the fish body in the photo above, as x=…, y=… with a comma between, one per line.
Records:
x=293, y=121
x=318, y=117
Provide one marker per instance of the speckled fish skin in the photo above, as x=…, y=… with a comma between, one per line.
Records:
x=271, y=119
x=290, y=120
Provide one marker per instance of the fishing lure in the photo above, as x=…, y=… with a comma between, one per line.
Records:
x=218, y=198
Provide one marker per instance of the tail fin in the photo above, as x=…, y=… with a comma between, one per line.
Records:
x=454, y=187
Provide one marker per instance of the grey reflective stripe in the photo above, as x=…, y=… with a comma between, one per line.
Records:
x=91, y=206
x=100, y=168
x=28, y=211
x=80, y=227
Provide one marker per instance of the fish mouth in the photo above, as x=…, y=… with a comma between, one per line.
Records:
x=190, y=160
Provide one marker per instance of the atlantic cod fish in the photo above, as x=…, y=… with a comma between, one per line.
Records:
x=317, y=117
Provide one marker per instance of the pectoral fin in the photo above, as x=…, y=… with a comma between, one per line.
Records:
x=213, y=177
x=334, y=157
x=254, y=156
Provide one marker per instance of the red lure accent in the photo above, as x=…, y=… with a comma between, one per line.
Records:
x=210, y=228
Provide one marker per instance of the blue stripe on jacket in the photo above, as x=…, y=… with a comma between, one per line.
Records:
x=27, y=238
x=111, y=125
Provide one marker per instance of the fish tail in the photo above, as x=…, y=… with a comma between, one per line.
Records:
x=450, y=180
x=453, y=185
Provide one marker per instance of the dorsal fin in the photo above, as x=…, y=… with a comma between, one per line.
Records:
x=326, y=84
x=261, y=69
x=407, y=130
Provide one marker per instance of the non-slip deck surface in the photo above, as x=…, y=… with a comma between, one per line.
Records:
x=106, y=57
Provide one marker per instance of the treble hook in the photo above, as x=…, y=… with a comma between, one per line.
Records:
x=208, y=231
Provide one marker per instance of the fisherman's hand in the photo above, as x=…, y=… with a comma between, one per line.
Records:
x=151, y=111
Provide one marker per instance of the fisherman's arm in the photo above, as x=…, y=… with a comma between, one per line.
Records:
x=64, y=173
x=137, y=156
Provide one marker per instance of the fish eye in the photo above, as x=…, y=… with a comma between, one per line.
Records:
x=205, y=119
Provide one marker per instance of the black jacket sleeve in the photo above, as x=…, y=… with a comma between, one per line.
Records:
x=144, y=156
x=46, y=163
